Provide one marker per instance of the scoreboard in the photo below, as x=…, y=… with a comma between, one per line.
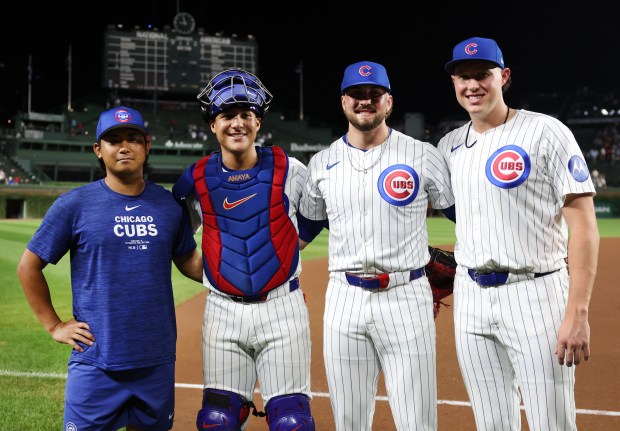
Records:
x=170, y=62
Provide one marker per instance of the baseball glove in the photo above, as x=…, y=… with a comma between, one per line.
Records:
x=440, y=271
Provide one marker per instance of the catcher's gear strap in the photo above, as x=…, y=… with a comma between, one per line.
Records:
x=223, y=409
x=249, y=249
x=289, y=413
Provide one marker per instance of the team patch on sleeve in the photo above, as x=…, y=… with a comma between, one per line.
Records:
x=398, y=185
x=508, y=167
x=578, y=169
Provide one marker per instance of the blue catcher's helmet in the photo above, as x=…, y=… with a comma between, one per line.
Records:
x=234, y=88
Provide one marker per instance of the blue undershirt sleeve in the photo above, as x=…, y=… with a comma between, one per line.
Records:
x=450, y=213
x=309, y=229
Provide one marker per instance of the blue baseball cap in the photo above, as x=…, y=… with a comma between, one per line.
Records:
x=365, y=72
x=118, y=117
x=475, y=48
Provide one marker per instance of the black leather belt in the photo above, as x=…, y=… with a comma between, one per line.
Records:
x=293, y=286
x=379, y=281
x=496, y=278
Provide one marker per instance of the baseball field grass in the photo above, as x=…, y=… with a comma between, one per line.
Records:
x=33, y=366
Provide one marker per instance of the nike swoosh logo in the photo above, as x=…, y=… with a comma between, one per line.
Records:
x=128, y=208
x=455, y=148
x=295, y=429
x=170, y=416
x=328, y=168
x=207, y=426
x=231, y=205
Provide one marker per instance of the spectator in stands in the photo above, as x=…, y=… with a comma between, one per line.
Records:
x=598, y=178
x=2, y=176
x=593, y=154
x=601, y=182
x=122, y=232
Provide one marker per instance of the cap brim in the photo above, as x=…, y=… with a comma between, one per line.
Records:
x=124, y=126
x=451, y=65
x=364, y=83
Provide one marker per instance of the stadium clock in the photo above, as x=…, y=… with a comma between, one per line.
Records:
x=184, y=23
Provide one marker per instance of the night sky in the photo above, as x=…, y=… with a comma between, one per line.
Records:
x=554, y=49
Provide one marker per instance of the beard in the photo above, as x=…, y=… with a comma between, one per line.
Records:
x=367, y=124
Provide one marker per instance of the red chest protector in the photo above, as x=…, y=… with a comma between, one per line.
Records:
x=249, y=244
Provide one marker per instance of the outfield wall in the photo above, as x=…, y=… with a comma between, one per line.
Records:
x=33, y=201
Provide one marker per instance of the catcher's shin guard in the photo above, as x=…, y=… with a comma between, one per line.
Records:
x=225, y=410
x=289, y=413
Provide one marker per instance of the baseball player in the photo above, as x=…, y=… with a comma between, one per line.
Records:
x=521, y=184
x=255, y=322
x=373, y=185
x=122, y=233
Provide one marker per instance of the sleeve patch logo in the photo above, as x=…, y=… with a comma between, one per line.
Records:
x=578, y=169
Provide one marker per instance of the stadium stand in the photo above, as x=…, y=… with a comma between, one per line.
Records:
x=45, y=147
x=58, y=147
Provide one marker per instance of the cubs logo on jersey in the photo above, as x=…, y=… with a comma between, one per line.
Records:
x=508, y=167
x=398, y=185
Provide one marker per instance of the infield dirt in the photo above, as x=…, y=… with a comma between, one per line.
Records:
x=597, y=379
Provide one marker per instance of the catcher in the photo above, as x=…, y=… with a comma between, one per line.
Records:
x=440, y=271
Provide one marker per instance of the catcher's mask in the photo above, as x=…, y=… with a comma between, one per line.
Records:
x=234, y=88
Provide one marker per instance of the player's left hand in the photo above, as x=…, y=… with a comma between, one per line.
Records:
x=573, y=340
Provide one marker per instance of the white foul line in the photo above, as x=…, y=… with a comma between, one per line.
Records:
x=314, y=394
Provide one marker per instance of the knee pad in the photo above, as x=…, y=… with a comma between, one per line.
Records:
x=289, y=412
x=226, y=409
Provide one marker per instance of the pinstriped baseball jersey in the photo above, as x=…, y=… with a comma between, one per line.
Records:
x=509, y=182
x=376, y=201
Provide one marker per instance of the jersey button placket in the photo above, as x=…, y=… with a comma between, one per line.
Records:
x=366, y=210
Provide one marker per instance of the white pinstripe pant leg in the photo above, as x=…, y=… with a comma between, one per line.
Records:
x=227, y=361
x=269, y=340
x=506, y=338
x=283, y=346
x=351, y=363
x=487, y=372
x=404, y=335
x=532, y=313
x=365, y=332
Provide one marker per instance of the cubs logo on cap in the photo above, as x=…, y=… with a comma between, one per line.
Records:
x=365, y=72
x=475, y=48
x=118, y=117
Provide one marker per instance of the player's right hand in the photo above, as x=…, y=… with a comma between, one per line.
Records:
x=72, y=331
